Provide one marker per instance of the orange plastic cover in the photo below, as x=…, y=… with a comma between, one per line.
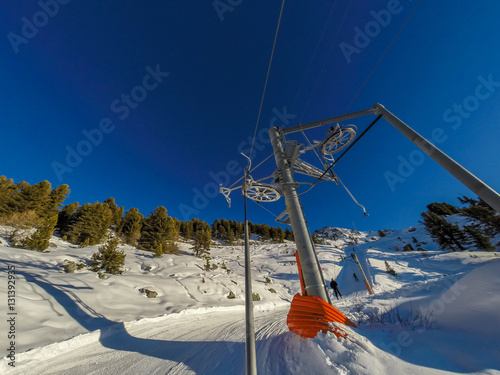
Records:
x=309, y=314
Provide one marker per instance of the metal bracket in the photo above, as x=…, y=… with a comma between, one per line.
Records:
x=283, y=218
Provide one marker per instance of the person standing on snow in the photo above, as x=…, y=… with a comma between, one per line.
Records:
x=335, y=287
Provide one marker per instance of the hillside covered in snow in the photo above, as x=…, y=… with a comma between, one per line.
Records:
x=437, y=313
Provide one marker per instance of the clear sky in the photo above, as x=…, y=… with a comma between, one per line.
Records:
x=151, y=101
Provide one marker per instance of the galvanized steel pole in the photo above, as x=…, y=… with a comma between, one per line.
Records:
x=482, y=190
x=367, y=282
x=311, y=271
x=250, y=356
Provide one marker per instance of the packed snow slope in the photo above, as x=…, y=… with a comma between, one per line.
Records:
x=439, y=315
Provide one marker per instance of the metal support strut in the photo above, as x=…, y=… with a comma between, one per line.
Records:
x=482, y=190
x=311, y=272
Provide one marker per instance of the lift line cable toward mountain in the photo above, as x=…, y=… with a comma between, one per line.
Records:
x=262, y=206
x=381, y=57
x=340, y=157
x=253, y=169
x=267, y=79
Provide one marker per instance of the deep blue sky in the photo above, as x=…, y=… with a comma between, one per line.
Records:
x=64, y=79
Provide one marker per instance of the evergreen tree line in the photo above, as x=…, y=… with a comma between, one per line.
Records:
x=450, y=236
x=38, y=206
x=230, y=231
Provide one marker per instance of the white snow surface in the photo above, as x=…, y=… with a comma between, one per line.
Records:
x=440, y=315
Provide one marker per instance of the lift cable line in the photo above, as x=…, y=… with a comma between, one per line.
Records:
x=313, y=55
x=267, y=78
x=340, y=157
x=381, y=57
x=254, y=168
x=334, y=45
x=264, y=207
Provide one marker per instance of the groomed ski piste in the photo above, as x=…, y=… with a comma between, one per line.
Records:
x=440, y=315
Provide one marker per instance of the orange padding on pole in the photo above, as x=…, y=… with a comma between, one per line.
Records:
x=302, y=286
x=309, y=314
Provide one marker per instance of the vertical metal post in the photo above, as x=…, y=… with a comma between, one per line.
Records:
x=482, y=190
x=367, y=282
x=250, y=356
x=311, y=271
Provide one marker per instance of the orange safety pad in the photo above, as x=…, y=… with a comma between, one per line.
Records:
x=309, y=314
x=302, y=286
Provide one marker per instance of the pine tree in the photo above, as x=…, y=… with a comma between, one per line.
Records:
x=289, y=235
x=116, y=211
x=477, y=239
x=476, y=212
x=446, y=234
x=22, y=197
x=177, y=225
x=466, y=200
x=215, y=229
x=273, y=233
x=189, y=230
x=488, y=218
x=240, y=230
x=280, y=238
x=91, y=221
x=8, y=192
x=40, y=240
x=202, y=240
x=316, y=240
x=158, y=229
x=442, y=209
x=251, y=228
x=480, y=210
x=158, y=250
x=66, y=218
x=226, y=232
x=36, y=197
x=265, y=231
x=56, y=199
x=230, y=237
x=390, y=270
x=223, y=233
x=130, y=226
x=109, y=258
x=473, y=203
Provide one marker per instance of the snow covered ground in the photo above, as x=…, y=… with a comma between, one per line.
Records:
x=440, y=315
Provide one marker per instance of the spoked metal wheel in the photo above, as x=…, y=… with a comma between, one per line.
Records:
x=263, y=193
x=339, y=140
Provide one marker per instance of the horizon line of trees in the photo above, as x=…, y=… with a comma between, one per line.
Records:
x=30, y=214
x=34, y=211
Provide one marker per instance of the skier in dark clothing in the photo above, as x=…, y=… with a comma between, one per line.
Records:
x=355, y=276
x=335, y=287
